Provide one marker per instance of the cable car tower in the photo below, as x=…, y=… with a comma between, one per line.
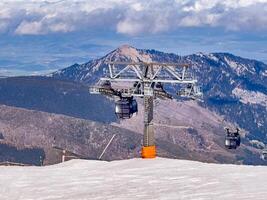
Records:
x=127, y=80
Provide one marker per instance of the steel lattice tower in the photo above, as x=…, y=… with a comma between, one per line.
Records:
x=146, y=80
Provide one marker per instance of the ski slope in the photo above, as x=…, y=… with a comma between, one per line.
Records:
x=158, y=178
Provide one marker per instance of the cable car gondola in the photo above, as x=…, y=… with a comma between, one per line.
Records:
x=232, y=139
x=264, y=154
x=125, y=108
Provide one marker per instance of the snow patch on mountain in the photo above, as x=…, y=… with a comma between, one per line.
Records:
x=239, y=68
x=251, y=97
x=213, y=57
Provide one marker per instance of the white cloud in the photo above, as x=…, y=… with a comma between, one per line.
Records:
x=130, y=17
x=42, y=27
x=29, y=28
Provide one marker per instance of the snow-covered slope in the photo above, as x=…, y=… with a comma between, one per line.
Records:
x=134, y=179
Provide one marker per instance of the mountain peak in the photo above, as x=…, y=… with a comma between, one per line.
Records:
x=125, y=47
x=127, y=52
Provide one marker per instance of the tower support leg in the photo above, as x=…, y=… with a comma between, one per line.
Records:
x=149, y=148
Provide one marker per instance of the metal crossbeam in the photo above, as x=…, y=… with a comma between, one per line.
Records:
x=149, y=80
x=148, y=72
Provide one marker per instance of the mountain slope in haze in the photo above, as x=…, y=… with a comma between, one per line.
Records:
x=55, y=96
x=234, y=87
x=29, y=129
x=158, y=178
x=203, y=141
x=38, y=132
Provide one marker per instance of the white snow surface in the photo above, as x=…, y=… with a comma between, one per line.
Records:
x=158, y=178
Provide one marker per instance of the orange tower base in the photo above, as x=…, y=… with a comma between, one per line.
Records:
x=149, y=152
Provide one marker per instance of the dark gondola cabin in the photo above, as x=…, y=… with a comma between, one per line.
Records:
x=125, y=108
x=232, y=139
x=264, y=154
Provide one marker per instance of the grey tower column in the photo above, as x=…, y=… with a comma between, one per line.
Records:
x=148, y=124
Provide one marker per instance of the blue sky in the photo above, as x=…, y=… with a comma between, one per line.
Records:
x=39, y=37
